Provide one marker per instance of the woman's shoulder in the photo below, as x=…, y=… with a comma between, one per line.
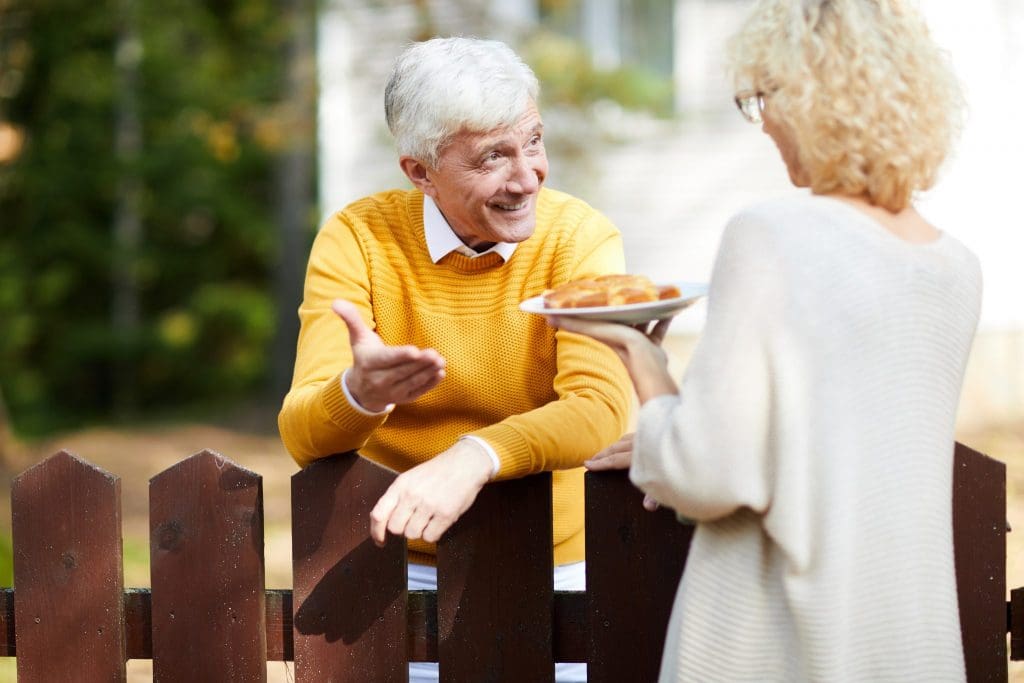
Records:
x=792, y=211
x=767, y=223
x=826, y=222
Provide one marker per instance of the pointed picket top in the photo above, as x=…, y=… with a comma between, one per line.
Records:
x=66, y=527
x=63, y=458
x=364, y=466
x=207, y=460
x=207, y=570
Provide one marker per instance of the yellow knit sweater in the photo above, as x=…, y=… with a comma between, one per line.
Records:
x=544, y=400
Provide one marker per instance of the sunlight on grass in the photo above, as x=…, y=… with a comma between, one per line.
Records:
x=6, y=559
x=136, y=562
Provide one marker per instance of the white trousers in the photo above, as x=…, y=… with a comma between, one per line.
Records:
x=568, y=577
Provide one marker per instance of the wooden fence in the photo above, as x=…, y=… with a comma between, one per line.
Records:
x=494, y=617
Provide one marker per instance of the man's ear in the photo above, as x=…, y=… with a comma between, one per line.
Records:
x=416, y=171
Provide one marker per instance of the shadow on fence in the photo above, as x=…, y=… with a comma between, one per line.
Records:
x=494, y=617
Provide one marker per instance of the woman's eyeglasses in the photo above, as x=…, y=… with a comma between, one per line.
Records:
x=751, y=105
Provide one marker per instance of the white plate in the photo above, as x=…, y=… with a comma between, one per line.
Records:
x=630, y=314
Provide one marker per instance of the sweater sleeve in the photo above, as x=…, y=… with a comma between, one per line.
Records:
x=316, y=419
x=707, y=451
x=594, y=394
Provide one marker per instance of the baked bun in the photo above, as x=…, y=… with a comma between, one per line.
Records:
x=577, y=294
x=607, y=290
x=668, y=292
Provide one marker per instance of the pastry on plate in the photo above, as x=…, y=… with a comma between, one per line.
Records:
x=608, y=290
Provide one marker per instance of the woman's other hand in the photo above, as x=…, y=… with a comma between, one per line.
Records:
x=617, y=336
x=618, y=456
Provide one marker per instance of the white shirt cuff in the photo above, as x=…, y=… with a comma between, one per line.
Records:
x=495, y=463
x=355, y=404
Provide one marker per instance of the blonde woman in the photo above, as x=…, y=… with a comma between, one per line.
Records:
x=812, y=435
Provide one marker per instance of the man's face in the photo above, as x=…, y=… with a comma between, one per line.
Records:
x=486, y=184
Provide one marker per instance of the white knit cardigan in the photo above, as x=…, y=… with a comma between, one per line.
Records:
x=813, y=441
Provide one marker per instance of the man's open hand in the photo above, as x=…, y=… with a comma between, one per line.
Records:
x=382, y=374
x=426, y=500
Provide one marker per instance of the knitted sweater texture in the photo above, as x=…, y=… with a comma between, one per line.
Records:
x=812, y=440
x=545, y=401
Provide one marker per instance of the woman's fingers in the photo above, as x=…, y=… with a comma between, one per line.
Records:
x=618, y=456
x=660, y=329
x=615, y=335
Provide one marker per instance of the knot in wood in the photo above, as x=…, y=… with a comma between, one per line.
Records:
x=169, y=537
x=68, y=560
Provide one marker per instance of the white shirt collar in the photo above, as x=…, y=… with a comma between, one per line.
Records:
x=442, y=240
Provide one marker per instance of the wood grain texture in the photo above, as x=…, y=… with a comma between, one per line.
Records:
x=206, y=564
x=349, y=620
x=495, y=587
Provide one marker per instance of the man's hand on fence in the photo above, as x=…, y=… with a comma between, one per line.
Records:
x=618, y=456
x=426, y=500
x=382, y=375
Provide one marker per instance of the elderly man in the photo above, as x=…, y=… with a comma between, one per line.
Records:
x=435, y=372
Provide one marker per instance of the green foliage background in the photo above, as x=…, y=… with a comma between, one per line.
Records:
x=209, y=81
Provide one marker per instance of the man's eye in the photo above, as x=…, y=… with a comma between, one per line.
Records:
x=493, y=156
x=535, y=140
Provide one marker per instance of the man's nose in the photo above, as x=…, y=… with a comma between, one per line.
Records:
x=525, y=177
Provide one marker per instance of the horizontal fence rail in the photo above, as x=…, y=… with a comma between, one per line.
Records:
x=494, y=617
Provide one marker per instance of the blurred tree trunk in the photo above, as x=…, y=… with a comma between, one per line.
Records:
x=425, y=27
x=7, y=445
x=127, y=229
x=294, y=182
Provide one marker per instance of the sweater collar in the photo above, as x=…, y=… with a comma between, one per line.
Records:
x=442, y=240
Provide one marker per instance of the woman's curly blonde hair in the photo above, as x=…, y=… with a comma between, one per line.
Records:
x=871, y=100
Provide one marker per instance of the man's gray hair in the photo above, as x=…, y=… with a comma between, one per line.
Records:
x=442, y=86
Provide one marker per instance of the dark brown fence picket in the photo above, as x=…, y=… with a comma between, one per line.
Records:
x=280, y=641
x=349, y=595
x=206, y=565
x=7, y=632
x=979, y=540
x=422, y=628
x=1015, y=623
x=138, y=623
x=67, y=566
x=495, y=587
x=634, y=561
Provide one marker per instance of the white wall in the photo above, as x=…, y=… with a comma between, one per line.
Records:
x=978, y=199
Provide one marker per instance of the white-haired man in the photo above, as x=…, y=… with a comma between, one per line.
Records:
x=440, y=376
